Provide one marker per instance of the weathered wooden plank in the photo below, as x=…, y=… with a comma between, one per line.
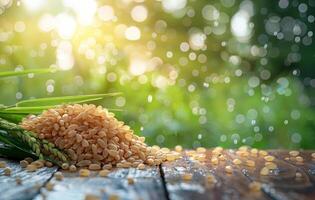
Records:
x=303, y=187
x=307, y=166
x=282, y=177
x=236, y=179
x=227, y=186
x=147, y=185
x=281, y=183
x=31, y=182
x=179, y=189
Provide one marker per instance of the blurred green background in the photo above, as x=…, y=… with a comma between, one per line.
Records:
x=192, y=72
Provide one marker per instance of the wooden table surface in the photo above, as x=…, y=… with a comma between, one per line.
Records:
x=166, y=181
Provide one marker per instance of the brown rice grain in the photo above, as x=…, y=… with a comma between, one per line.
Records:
x=94, y=167
x=23, y=163
x=3, y=164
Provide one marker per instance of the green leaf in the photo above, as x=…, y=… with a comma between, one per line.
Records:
x=25, y=72
x=115, y=110
x=24, y=110
x=7, y=138
x=53, y=101
x=13, y=152
x=16, y=118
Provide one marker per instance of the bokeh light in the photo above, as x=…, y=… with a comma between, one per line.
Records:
x=208, y=73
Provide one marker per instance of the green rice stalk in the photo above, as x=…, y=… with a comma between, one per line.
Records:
x=43, y=149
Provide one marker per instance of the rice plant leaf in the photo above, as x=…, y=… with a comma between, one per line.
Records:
x=16, y=114
x=12, y=141
x=13, y=152
x=15, y=118
x=24, y=110
x=53, y=101
x=24, y=72
x=115, y=110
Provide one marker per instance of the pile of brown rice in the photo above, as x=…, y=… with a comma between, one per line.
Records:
x=92, y=135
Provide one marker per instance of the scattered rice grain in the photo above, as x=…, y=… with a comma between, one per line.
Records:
x=29, y=159
x=23, y=163
x=269, y=158
x=187, y=176
x=65, y=166
x=299, y=159
x=72, y=168
x=18, y=180
x=264, y=171
x=214, y=161
x=84, y=172
x=3, y=164
x=250, y=163
x=255, y=186
x=294, y=153
x=130, y=181
x=92, y=197
x=263, y=153
x=141, y=166
x=49, y=186
x=271, y=165
x=31, y=168
x=108, y=166
x=59, y=176
x=113, y=197
x=94, y=167
x=298, y=175
x=178, y=148
x=103, y=172
x=49, y=164
x=7, y=171
x=228, y=169
x=237, y=161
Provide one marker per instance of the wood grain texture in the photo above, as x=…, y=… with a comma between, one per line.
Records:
x=167, y=182
x=308, y=166
x=299, y=188
x=281, y=183
x=31, y=181
x=227, y=186
x=147, y=185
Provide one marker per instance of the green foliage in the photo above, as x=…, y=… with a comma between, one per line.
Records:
x=25, y=107
x=53, y=101
x=25, y=72
x=25, y=143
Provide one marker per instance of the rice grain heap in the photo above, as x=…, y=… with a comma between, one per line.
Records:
x=92, y=135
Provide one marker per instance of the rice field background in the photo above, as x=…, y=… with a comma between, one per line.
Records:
x=191, y=72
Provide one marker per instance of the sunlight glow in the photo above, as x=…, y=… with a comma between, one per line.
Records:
x=84, y=9
x=173, y=5
x=240, y=24
x=139, y=13
x=106, y=13
x=137, y=66
x=132, y=33
x=46, y=23
x=66, y=25
x=197, y=40
x=65, y=60
x=210, y=12
x=33, y=5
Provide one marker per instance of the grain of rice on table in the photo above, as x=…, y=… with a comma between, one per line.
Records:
x=92, y=135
